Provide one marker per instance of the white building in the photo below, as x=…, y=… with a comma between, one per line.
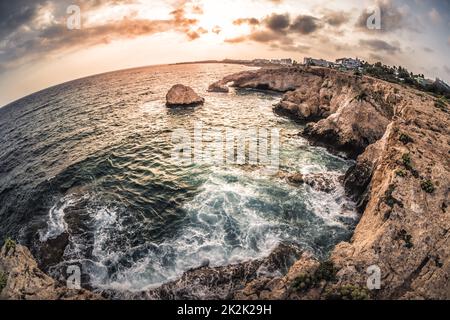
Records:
x=349, y=63
x=285, y=62
x=316, y=62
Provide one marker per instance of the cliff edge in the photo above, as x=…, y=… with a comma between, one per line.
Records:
x=400, y=138
x=21, y=279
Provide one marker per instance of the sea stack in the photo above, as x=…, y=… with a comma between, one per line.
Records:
x=183, y=96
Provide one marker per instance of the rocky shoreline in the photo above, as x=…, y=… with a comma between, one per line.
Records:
x=400, y=138
x=401, y=182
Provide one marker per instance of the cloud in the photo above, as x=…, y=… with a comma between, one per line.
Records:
x=379, y=45
x=435, y=16
x=237, y=39
x=23, y=40
x=277, y=22
x=264, y=36
x=429, y=50
x=250, y=21
x=292, y=48
x=216, y=29
x=336, y=18
x=305, y=24
x=392, y=18
x=447, y=69
x=277, y=30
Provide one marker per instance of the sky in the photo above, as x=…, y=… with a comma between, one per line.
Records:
x=42, y=44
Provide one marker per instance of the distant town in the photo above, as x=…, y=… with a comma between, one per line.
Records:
x=394, y=74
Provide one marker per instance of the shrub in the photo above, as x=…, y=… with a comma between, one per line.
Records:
x=405, y=139
x=400, y=173
x=325, y=272
x=347, y=292
x=3, y=280
x=361, y=96
x=441, y=104
x=428, y=186
x=403, y=235
x=407, y=162
x=303, y=282
x=10, y=244
x=389, y=198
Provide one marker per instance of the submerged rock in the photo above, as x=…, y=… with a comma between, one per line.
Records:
x=222, y=282
x=183, y=96
x=218, y=86
x=318, y=181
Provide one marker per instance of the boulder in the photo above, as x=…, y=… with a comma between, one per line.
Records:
x=180, y=95
x=218, y=86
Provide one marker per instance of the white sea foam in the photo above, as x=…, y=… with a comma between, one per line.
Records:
x=56, y=225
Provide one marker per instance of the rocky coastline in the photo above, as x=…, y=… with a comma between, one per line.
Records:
x=400, y=140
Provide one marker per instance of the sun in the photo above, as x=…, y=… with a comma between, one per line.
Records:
x=217, y=17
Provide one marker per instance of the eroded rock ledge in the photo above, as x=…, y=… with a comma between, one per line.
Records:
x=401, y=181
x=21, y=279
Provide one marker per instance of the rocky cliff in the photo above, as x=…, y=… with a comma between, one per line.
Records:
x=21, y=279
x=401, y=181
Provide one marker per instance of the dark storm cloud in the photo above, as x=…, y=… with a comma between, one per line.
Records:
x=276, y=30
x=379, y=45
x=14, y=14
x=277, y=22
x=17, y=13
x=305, y=24
x=22, y=41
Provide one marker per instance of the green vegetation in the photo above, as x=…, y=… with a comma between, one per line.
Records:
x=325, y=272
x=3, y=280
x=401, y=173
x=404, y=236
x=407, y=162
x=441, y=103
x=401, y=75
x=9, y=244
x=303, y=283
x=428, y=186
x=389, y=198
x=405, y=139
x=362, y=96
x=347, y=292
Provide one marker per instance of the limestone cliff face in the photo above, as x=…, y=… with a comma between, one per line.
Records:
x=23, y=280
x=401, y=181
